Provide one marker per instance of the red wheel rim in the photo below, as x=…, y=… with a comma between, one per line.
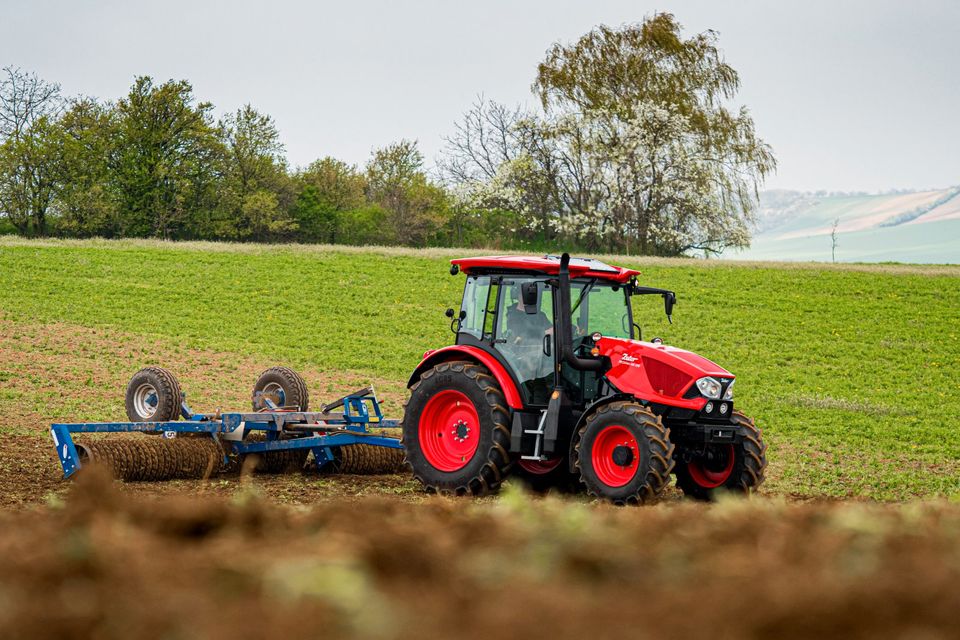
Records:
x=449, y=430
x=602, y=456
x=710, y=474
x=539, y=467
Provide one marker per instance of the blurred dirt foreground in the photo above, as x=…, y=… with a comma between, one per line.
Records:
x=110, y=564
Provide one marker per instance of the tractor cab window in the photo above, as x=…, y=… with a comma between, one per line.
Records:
x=595, y=306
x=606, y=309
x=525, y=335
x=476, y=293
x=599, y=306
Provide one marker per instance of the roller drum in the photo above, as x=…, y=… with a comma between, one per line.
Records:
x=154, y=459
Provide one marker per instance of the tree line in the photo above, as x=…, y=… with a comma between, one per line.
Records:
x=632, y=149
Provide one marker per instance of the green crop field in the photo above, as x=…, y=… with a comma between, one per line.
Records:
x=850, y=370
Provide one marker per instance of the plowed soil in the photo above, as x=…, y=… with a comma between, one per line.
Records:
x=110, y=564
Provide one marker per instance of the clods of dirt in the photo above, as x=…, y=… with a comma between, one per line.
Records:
x=107, y=563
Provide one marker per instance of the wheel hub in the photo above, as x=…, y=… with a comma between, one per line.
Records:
x=448, y=430
x=714, y=467
x=145, y=400
x=615, y=455
x=622, y=455
x=274, y=392
x=460, y=431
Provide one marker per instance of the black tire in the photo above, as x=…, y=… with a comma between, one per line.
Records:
x=282, y=379
x=749, y=465
x=489, y=464
x=559, y=479
x=287, y=389
x=653, y=457
x=153, y=385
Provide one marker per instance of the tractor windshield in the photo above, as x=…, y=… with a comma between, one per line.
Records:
x=602, y=307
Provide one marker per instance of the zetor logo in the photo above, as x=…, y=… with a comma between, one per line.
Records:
x=629, y=360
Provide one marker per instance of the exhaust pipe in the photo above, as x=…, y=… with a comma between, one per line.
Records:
x=564, y=330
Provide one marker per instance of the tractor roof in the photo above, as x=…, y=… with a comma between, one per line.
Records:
x=579, y=267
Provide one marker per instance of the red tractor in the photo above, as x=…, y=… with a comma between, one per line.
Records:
x=549, y=379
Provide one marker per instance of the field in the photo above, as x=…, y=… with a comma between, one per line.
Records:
x=109, y=565
x=849, y=369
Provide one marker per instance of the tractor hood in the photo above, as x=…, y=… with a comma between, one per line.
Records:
x=658, y=372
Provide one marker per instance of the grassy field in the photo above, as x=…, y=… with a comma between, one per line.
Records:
x=851, y=371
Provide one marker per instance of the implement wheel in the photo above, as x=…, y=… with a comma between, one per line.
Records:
x=283, y=386
x=153, y=395
x=731, y=468
x=624, y=454
x=286, y=389
x=455, y=431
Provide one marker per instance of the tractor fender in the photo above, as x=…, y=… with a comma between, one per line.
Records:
x=583, y=418
x=472, y=354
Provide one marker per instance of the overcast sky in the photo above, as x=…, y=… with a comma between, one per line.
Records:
x=852, y=95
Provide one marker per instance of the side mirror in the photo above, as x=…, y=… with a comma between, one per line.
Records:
x=669, y=299
x=455, y=321
x=530, y=294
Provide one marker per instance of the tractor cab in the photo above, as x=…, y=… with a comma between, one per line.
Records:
x=511, y=315
x=548, y=378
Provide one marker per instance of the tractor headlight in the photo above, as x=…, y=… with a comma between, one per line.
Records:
x=728, y=394
x=709, y=387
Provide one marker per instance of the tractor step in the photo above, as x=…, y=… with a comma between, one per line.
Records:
x=538, y=442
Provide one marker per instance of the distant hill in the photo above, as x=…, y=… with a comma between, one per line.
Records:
x=916, y=226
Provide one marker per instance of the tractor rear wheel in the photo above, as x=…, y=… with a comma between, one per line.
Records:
x=283, y=386
x=153, y=395
x=730, y=468
x=455, y=432
x=624, y=453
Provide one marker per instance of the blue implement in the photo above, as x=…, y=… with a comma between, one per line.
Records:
x=321, y=432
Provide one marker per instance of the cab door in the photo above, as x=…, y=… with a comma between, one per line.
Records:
x=524, y=336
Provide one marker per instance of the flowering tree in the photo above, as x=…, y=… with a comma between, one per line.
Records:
x=635, y=148
x=660, y=187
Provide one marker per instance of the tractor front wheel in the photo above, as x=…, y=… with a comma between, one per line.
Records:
x=455, y=431
x=733, y=468
x=624, y=453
